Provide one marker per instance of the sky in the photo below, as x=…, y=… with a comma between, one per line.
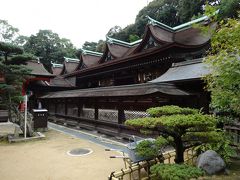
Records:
x=77, y=20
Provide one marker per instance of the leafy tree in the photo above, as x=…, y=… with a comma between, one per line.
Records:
x=224, y=62
x=14, y=72
x=181, y=127
x=8, y=33
x=91, y=46
x=48, y=46
x=21, y=40
x=114, y=30
x=94, y=46
x=124, y=34
x=229, y=8
x=170, y=12
x=173, y=13
x=133, y=37
x=100, y=46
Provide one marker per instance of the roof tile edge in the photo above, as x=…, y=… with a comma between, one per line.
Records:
x=71, y=59
x=93, y=53
x=55, y=65
x=179, y=27
x=123, y=43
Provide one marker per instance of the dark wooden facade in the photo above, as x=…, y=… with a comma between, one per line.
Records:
x=128, y=78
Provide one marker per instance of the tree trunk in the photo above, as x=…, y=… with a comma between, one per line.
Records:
x=5, y=57
x=10, y=107
x=179, y=150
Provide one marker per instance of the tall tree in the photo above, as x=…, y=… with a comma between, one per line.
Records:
x=11, y=65
x=224, y=62
x=48, y=46
x=229, y=8
x=8, y=33
x=94, y=46
x=91, y=46
x=169, y=12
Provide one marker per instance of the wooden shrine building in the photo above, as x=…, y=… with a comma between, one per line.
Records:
x=163, y=68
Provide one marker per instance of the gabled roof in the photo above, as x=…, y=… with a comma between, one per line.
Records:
x=57, y=68
x=117, y=48
x=176, y=28
x=122, y=43
x=38, y=69
x=69, y=65
x=186, y=70
x=184, y=34
x=89, y=58
x=158, y=39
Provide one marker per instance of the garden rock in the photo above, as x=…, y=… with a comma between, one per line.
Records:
x=211, y=162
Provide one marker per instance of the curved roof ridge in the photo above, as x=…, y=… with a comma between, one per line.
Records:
x=179, y=27
x=123, y=43
x=155, y=22
x=71, y=59
x=187, y=24
x=56, y=65
x=93, y=53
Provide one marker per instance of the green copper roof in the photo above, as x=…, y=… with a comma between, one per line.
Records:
x=176, y=28
x=55, y=65
x=123, y=43
x=93, y=53
x=71, y=59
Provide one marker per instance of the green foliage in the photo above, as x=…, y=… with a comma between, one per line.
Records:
x=48, y=46
x=7, y=32
x=222, y=147
x=224, y=62
x=170, y=110
x=169, y=12
x=173, y=13
x=150, y=149
x=14, y=73
x=175, y=171
x=133, y=37
x=229, y=9
x=8, y=48
x=91, y=46
x=174, y=121
x=94, y=46
x=147, y=149
x=180, y=127
x=20, y=59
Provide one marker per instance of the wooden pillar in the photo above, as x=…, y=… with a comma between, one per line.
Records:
x=55, y=106
x=46, y=104
x=96, y=110
x=80, y=108
x=66, y=106
x=121, y=115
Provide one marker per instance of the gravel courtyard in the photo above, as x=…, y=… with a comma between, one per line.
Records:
x=48, y=160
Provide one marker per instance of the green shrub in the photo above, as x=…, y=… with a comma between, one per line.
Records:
x=222, y=147
x=175, y=171
x=151, y=149
x=174, y=121
x=170, y=110
x=147, y=149
x=182, y=128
